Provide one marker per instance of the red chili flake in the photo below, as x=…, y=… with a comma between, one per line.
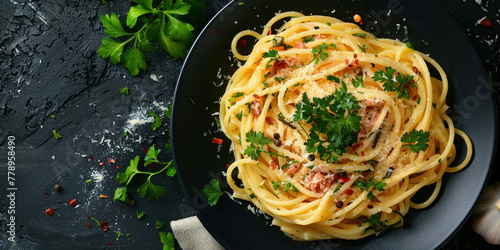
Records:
x=486, y=22
x=256, y=96
x=356, y=62
x=346, y=61
x=109, y=243
x=217, y=140
x=72, y=202
x=241, y=43
x=218, y=32
x=144, y=150
x=111, y=160
x=89, y=226
x=46, y=192
x=344, y=179
x=280, y=64
x=151, y=165
x=357, y=145
x=269, y=121
x=88, y=216
x=227, y=165
x=104, y=226
x=370, y=206
x=348, y=191
x=101, y=163
x=362, y=153
x=355, y=55
x=91, y=157
x=49, y=211
x=415, y=97
x=269, y=33
x=414, y=69
x=117, y=167
x=120, y=207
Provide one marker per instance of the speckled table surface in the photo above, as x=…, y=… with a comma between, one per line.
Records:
x=52, y=79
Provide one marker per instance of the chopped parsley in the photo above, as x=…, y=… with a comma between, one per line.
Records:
x=362, y=35
x=157, y=122
x=416, y=140
x=391, y=83
x=319, y=52
x=409, y=45
x=362, y=48
x=257, y=140
x=286, y=186
x=273, y=55
x=308, y=39
x=333, y=116
x=375, y=223
x=235, y=96
x=358, y=81
x=239, y=115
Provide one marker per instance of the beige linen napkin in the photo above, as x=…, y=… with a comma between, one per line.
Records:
x=191, y=234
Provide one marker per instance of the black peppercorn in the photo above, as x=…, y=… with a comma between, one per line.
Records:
x=58, y=187
x=339, y=204
x=277, y=143
x=131, y=203
x=276, y=136
x=311, y=157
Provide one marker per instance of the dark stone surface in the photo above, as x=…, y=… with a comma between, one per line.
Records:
x=49, y=67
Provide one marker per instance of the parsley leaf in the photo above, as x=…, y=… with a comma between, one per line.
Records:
x=358, y=81
x=416, y=140
x=159, y=24
x=319, y=52
x=158, y=225
x=167, y=240
x=375, y=223
x=140, y=215
x=390, y=83
x=212, y=191
x=362, y=35
x=121, y=194
x=157, y=123
x=333, y=116
x=409, y=45
x=307, y=39
x=235, y=96
x=150, y=190
x=125, y=90
x=367, y=184
x=273, y=55
x=287, y=186
x=257, y=140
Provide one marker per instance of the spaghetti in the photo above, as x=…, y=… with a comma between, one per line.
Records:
x=334, y=130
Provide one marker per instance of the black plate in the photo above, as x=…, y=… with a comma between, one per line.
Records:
x=426, y=26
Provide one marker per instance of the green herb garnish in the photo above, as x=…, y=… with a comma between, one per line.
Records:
x=390, y=83
x=212, y=191
x=416, y=140
x=159, y=24
x=334, y=117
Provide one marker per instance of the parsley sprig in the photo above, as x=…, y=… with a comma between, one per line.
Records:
x=148, y=188
x=391, y=83
x=257, y=140
x=286, y=186
x=333, y=117
x=160, y=24
x=319, y=52
x=416, y=140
